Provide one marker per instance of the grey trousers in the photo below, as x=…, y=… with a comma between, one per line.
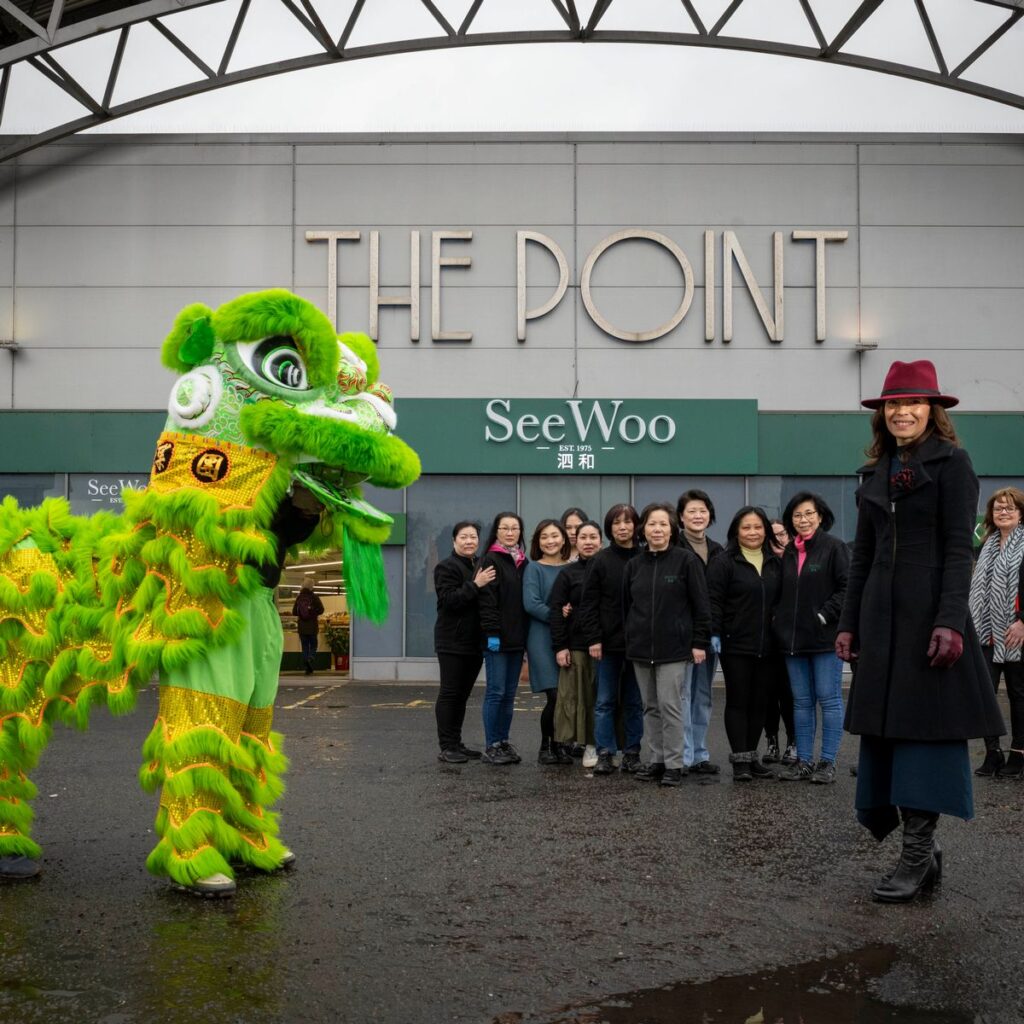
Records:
x=666, y=700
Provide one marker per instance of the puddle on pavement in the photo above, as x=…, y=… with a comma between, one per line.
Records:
x=831, y=991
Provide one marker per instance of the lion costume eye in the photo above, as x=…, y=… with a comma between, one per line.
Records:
x=276, y=360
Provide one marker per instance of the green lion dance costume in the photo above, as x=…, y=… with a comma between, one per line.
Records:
x=273, y=424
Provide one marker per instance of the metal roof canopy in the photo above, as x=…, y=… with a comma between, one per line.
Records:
x=38, y=33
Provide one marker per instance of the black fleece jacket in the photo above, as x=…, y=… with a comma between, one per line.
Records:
x=665, y=605
x=568, y=633
x=818, y=589
x=601, y=602
x=743, y=602
x=501, y=603
x=457, y=629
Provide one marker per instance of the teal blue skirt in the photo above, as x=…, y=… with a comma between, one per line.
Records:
x=934, y=777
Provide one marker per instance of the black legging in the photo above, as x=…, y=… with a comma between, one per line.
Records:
x=458, y=674
x=747, y=679
x=779, y=700
x=547, y=716
x=1013, y=673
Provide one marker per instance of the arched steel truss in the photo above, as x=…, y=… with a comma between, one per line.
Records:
x=36, y=32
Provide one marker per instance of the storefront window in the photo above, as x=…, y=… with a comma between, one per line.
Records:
x=727, y=494
x=31, y=488
x=324, y=569
x=547, y=497
x=772, y=493
x=435, y=504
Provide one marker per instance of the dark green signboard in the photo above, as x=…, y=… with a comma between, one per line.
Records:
x=581, y=435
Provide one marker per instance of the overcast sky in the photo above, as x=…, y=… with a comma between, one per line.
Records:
x=561, y=87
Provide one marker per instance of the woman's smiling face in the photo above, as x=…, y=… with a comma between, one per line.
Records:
x=907, y=419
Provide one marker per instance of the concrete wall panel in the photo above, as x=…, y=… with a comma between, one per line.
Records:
x=241, y=257
x=455, y=195
x=723, y=372
x=7, y=193
x=107, y=317
x=930, y=154
x=436, y=153
x=241, y=194
x=133, y=152
x=955, y=195
x=95, y=378
x=716, y=153
x=982, y=382
x=815, y=196
x=944, y=319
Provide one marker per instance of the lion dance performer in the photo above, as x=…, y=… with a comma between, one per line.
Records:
x=273, y=424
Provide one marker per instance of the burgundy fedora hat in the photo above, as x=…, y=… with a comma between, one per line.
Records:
x=911, y=380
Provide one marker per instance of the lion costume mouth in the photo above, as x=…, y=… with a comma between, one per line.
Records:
x=329, y=485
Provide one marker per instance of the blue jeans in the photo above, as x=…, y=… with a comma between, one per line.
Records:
x=502, y=672
x=816, y=679
x=695, y=740
x=610, y=669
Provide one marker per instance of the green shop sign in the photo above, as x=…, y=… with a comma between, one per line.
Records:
x=582, y=435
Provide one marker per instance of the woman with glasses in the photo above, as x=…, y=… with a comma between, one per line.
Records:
x=503, y=628
x=814, y=568
x=922, y=687
x=997, y=604
x=780, y=698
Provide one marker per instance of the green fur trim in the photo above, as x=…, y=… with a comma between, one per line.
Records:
x=263, y=314
x=20, y=846
x=270, y=764
x=171, y=354
x=366, y=350
x=198, y=346
x=200, y=743
x=365, y=583
x=385, y=459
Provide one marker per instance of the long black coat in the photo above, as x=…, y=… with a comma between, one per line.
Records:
x=910, y=572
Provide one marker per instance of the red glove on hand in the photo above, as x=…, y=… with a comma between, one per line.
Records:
x=945, y=647
x=844, y=647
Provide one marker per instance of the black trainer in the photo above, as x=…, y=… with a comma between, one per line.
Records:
x=705, y=768
x=496, y=755
x=452, y=756
x=605, y=765
x=671, y=777
x=547, y=754
x=759, y=770
x=473, y=755
x=824, y=773
x=649, y=772
x=511, y=751
x=771, y=754
x=16, y=866
x=630, y=762
x=799, y=772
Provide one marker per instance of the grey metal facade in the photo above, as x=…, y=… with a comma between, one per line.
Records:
x=103, y=240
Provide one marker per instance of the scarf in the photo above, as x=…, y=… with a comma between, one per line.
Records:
x=801, y=551
x=516, y=552
x=994, y=593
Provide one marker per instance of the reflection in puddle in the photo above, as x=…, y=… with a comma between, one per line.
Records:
x=833, y=991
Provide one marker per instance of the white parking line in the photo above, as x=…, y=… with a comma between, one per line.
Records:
x=311, y=697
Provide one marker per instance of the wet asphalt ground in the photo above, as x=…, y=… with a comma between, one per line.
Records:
x=473, y=893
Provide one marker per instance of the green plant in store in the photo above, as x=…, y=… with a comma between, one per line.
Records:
x=337, y=637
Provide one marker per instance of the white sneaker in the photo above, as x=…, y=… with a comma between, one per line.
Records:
x=212, y=885
x=590, y=756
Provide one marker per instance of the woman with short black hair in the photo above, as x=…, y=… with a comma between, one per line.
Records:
x=665, y=605
x=571, y=519
x=458, y=581
x=814, y=569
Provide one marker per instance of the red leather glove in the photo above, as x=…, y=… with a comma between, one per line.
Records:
x=844, y=646
x=945, y=647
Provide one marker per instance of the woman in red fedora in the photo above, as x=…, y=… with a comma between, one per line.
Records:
x=921, y=689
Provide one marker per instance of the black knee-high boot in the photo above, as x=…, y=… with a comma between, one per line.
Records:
x=920, y=865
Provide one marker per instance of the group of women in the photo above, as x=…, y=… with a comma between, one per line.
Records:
x=622, y=639
x=618, y=639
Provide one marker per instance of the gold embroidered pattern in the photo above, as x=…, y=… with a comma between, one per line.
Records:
x=234, y=474
x=257, y=724
x=182, y=710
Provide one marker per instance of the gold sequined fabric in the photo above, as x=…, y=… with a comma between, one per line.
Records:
x=182, y=710
x=257, y=724
x=233, y=474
